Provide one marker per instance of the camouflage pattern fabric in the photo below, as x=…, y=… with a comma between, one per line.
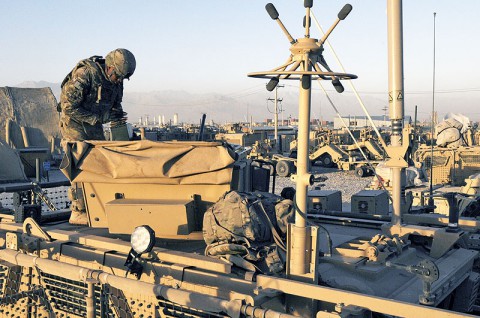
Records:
x=249, y=230
x=236, y=216
x=88, y=100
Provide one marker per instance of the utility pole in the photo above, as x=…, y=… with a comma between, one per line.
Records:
x=276, y=100
x=385, y=108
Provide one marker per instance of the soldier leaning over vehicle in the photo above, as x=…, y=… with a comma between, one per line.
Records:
x=91, y=96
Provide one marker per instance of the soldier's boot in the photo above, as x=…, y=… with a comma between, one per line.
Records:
x=78, y=218
x=79, y=213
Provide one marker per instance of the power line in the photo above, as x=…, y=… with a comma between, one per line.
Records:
x=259, y=88
x=446, y=91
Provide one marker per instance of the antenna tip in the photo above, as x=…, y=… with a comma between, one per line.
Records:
x=345, y=11
x=272, y=11
x=272, y=84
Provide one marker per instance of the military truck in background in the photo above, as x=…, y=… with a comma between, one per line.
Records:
x=455, y=155
x=452, y=164
x=449, y=165
x=327, y=149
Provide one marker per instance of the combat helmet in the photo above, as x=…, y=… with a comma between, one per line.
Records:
x=123, y=62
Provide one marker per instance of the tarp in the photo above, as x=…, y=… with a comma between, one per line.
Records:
x=448, y=132
x=464, y=120
x=414, y=176
x=34, y=108
x=11, y=168
x=147, y=161
x=454, y=131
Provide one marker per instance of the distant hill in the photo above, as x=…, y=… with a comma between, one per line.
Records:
x=233, y=107
x=240, y=107
x=191, y=106
x=40, y=84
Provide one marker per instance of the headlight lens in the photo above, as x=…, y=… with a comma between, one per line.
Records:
x=142, y=239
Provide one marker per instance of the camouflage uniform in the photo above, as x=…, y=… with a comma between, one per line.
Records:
x=88, y=100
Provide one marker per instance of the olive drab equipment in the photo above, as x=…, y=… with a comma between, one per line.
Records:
x=249, y=230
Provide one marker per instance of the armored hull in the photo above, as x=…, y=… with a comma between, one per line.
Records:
x=62, y=270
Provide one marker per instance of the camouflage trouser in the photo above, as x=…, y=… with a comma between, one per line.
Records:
x=75, y=194
x=79, y=212
x=72, y=130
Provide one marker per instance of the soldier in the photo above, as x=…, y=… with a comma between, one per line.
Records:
x=91, y=96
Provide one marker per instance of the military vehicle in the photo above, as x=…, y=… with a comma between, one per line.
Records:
x=450, y=165
x=345, y=157
x=328, y=148
x=411, y=266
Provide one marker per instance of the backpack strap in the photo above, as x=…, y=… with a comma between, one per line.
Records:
x=242, y=263
x=91, y=61
x=276, y=237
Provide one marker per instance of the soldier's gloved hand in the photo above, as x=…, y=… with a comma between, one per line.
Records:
x=117, y=117
x=94, y=119
x=116, y=114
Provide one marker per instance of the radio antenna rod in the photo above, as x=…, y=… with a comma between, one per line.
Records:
x=431, y=206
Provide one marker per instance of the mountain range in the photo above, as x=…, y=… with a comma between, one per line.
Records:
x=243, y=105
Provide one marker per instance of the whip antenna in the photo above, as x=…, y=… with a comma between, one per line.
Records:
x=431, y=206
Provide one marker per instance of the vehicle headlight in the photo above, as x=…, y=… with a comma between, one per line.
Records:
x=142, y=239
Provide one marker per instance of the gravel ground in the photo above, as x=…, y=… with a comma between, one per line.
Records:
x=345, y=181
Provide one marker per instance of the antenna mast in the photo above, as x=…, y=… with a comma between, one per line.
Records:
x=398, y=148
x=430, y=199
x=304, y=64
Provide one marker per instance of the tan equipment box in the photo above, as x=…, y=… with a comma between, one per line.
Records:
x=167, y=217
x=319, y=201
x=370, y=202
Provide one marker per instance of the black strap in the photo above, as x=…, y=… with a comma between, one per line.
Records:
x=276, y=237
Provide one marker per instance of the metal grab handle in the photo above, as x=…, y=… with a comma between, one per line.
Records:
x=427, y=271
x=453, y=211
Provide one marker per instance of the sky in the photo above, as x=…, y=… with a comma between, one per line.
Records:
x=209, y=46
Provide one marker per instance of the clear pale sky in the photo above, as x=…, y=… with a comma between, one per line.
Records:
x=210, y=46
